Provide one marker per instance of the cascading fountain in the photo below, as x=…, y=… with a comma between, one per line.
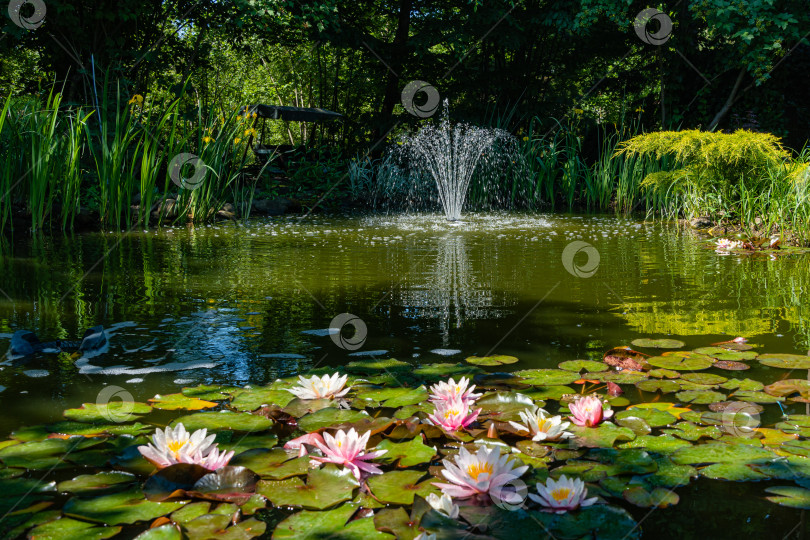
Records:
x=449, y=153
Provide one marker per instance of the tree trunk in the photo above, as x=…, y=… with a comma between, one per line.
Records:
x=729, y=102
x=397, y=59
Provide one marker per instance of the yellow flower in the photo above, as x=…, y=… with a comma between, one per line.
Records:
x=237, y=140
x=578, y=111
x=250, y=132
x=137, y=99
x=254, y=115
x=525, y=139
x=207, y=139
x=639, y=110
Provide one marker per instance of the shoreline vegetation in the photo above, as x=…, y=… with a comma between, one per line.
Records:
x=67, y=168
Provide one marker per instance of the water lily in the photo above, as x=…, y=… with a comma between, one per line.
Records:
x=176, y=445
x=425, y=536
x=541, y=426
x=443, y=504
x=562, y=495
x=724, y=244
x=347, y=448
x=299, y=443
x=588, y=411
x=325, y=387
x=479, y=474
x=452, y=415
x=451, y=390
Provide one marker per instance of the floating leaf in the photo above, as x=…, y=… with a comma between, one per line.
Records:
x=671, y=408
x=584, y=365
x=495, y=360
x=733, y=472
x=700, y=397
x=653, y=417
x=72, y=529
x=212, y=392
x=117, y=508
x=715, y=452
x=309, y=525
x=325, y=487
x=625, y=358
x=617, y=377
x=274, y=464
x=730, y=366
x=660, y=373
x=658, y=343
x=330, y=418
x=217, y=526
x=250, y=399
x=792, y=496
x=722, y=353
x=788, y=387
x=408, y=453
x=680, y=363
x=547, y=377
x=399, y=487
x=656, y=443
x=756, y=397
x=443, y=371
x=395, y=397
x=799, y=448
x=173, y=402
x=604, y=435
x=214, y=421
x=658, y=497
x=170, y=531
x=785, y=361
x=691, y=432
x=504, y=406
x=388, y=365
x=112, y=412
x=542, y=393
x=94, y=484
x=742, y=384
x=664, y=386
x=705, y=378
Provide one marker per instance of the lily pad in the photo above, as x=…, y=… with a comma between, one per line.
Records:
x=579, y=366
x=604, y=435
x=658, y=385
x=309, y=525
x=443, y=371
x=72, y=529
x=413, y=452
x=330, y=418
x=785, y=361
x=664, y=444
x=495, y=360
x=212, y=392
x=325, y=487
x=118, y=508
x=731, y=366
x=275, y=464
x=724, y=354
x=691, y=432
x=705, y=378
x=658, y=343
x=742, y=384
x=395, y=397
x=733, y=472
x=399, y=487
x=657, y=498
x=680, y=363
x=250, y=399
x=700, y=397
x=173, y=402
x=788, y=387
x=547, y=377
x=716, y=452
x=214, y=421
x=170, y=531
x=98, y=483
x=799, y=448
x=112, y=412
x=653, y=417
x=792, y=496
x=504, y=406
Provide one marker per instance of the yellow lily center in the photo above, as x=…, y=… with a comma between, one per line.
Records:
x=478, y=468
x=175, y=446
x=448, y=414
x=561, y=494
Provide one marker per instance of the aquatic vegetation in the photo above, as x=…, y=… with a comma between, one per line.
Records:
x=724, y=244
x=443, y=504
x=171, y=446
x=325, y=387
x=347, y=448
x=452, y=390
x=588, y=411
x=452, y=415
x=541, y=426
x=484, y=472
x=562, y=495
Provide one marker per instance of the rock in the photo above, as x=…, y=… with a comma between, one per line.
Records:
x=23, y=342
x=167, y=207
x=228, y=211
x=274, y=207
x=94, y=339
x=702, y=222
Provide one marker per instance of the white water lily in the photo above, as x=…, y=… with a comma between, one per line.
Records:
x=176, y=445
x=452, y=390
x=325, y=387
x=425, y=536
x=541, y=426
x=443, y=504
x=562, y=495
x=484, y=472
x=724, y=244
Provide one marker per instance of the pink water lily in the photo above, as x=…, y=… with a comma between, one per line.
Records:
x=299, y=443
x=588, y=411
x=176, y=445
x=347, y=448
x=452, y=415
x=452, y=390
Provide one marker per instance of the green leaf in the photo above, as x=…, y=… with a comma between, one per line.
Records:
x=700, y=397
x=658, y=343
x=94, y=484
x=408, y=453
x=215, y=421
x=733, y=472
x=325, y=487
x=117, y=508
x=71, y=529
x=715, y=452
x=395, y=397
x=399, y=487
x=112, y=412
x=332, y=525
x=788, y=387
x=663, y=444
x=170, y=531
x=213, y=392
x=330, y=418
x=785, y=361
x=658, y=497
x=504, y=406
x=664, y=386
x=173, y=402
x=792, y=496
x=250, y=399
x=680, y=363
x=604, y=435
x=495, y=360
x=547, y=377
x=578, y=366
x=653, y=417
x=274, y=464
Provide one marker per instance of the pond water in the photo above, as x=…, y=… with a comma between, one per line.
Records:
x=248, y=303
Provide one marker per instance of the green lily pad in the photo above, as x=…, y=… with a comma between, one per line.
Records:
x=742, y=384
x=211, y=392
x=102, y=482
x=395, y=397
x=670, y=475
x=715, y=452
x=228, y=440
x=799, y=448
x=214, y=421
x=658, y=385
x=657, y=498
x=170, y=531
x=408, y=453
x=173, y=402
x=39, y=433
x=542, y=393
x=691, y=432
x=604, y=435
x=700, y=397
x=664, y=444
x=733, y=472
x=118, y=508
x=756, y=397
x=730, y=366
x=333, y=524
x=50, y=453
x=709, y=379
x=785, y=361
x=658, y=343
x=653, y=417
x=504, y=406
x=660, y=373
x=112, y=412
x=547, y=377
x=372, y=366
x=792, y=496
x=788, y=387
x=617, y=377
x=724, y=354
x=216, y=525
x=579, y=366
x=275, y=464
x=250, y=399
x=399, y=487
x=495, y=360
x=330, y=418
x=325, y=487
x=72, y=529
x=680, y=363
